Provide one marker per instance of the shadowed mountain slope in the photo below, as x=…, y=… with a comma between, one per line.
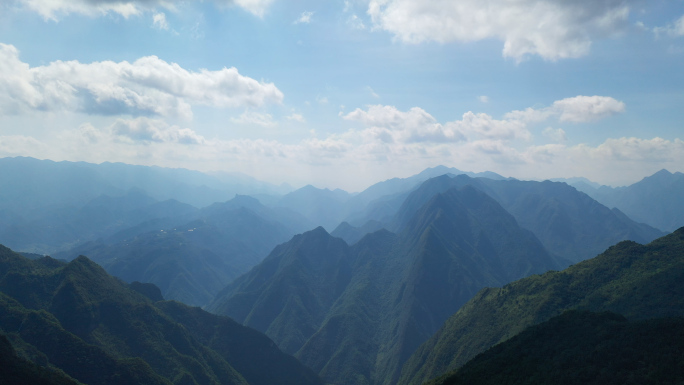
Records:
x=580, y=347
x=77, y=318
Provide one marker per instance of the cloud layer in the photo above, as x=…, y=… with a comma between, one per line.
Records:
x=552, y=29
x=148, y=86
x=386, y=142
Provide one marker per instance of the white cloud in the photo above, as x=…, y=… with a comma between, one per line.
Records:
x=388, y=124
x=675, y=29
x=147, y=130
x=254, y=118
x=389, y=142
x=148, y=86
x=552, y=29
x=587, y=108
x=557, y=135
x=484, y=126
x=577, y=109
x=483, y=99
x=159, y=21
x=296, y=118
x=322, y=99
x=305, y=18
x=256, y=7
x=54, y=9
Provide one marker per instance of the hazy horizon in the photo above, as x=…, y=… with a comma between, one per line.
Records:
x=344, y=94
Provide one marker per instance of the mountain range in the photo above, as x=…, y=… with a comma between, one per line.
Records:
x=363, y=292
x=191, y=257
x=655, y=200
x=355, y=313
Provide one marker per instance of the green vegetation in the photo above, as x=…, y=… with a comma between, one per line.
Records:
x=98, y=330
x=581, y=347
x=639, y=282
x=15, y=370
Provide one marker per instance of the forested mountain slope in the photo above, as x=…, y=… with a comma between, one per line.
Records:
x=581, y=347
x=637, y=281
x=97, y=330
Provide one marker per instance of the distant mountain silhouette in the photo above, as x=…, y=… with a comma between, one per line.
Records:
x=655, y=200
x=569, y=223
x=193, y=261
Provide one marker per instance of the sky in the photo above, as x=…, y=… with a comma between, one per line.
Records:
x=343, y=94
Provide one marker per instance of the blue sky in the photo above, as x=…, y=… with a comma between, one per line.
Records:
x=347, y=93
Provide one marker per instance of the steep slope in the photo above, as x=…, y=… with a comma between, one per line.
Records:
x=569, y=223
x=580, y=347
x=355, y=314
x=77, y=318
x=636, y=281
x=289, y=293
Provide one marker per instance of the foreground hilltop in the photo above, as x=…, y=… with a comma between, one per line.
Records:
x=636, y=281
x=76, y=319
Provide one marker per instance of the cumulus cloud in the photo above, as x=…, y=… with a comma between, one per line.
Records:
x=552, y=29
x=578, y=109
x=147, y=130
x=416, y=125
x=148, y=86
x=587, y=108
x=54, y=9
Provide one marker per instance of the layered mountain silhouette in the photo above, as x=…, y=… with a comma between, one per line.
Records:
x=569, y=223
x=95, y=329
x=354, y=314
x=636, y=281
x=191, y=262
x=655, y=200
